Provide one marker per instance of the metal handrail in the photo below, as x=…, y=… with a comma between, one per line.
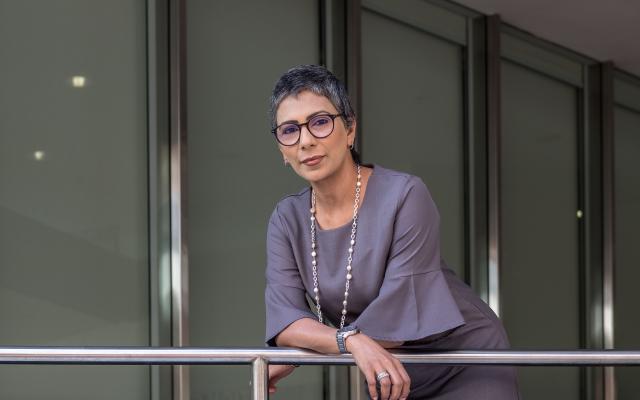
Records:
x=260, y=358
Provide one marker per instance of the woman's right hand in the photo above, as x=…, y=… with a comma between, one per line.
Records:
x=372, y=359
x=277, y=372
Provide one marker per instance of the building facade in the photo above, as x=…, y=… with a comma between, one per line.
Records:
x=137, y=174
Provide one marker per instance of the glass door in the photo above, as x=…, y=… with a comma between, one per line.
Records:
x=74, y=264
x=540, y=266
x=627, y=218
x=413, y=104
x=236, y=51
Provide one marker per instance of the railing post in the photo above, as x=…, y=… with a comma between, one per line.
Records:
x=260, y=379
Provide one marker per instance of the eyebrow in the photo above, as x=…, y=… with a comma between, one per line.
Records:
x=292, y=121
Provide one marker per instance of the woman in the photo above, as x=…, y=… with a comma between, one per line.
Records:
x=362, y=242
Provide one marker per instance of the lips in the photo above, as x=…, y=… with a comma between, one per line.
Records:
x=312, y=160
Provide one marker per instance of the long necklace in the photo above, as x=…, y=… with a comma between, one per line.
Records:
x=314, y=252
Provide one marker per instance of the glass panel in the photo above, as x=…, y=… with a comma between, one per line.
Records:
x=73, y=192
x=236, y=176
x=627, y=252
x=540, y=267
x=413, y=116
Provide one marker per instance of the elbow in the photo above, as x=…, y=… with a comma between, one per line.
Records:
x=288, y=336
x=282, y=340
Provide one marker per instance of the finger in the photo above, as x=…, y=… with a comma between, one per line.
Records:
x=371, y=383
x=396, y=383
x=369, y=377
x=272, y=387
x=406, y=386
x=385, y=384
x=274, y=370
x=396, y=378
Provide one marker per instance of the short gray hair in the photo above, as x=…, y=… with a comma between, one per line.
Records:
x=316, y=79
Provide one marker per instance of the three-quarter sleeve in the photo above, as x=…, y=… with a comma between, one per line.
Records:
x=284, y=294
x=414, y=300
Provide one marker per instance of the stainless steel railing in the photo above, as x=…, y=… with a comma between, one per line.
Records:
x=260, y=358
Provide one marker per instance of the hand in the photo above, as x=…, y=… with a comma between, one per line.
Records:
x=277, y=372
x=372, y=359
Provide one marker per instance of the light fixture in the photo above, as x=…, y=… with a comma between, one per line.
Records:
x=78, y=81
x=38, y=155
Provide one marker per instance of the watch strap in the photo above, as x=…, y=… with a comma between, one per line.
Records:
x=342, y=335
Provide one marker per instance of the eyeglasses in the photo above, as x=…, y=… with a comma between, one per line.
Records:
x=320, y=126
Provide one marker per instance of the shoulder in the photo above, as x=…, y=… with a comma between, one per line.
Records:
x=292, y=203
x=400, y=185
x=291, y=211
x=406, y=194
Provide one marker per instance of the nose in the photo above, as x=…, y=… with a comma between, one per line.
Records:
x=306, y=138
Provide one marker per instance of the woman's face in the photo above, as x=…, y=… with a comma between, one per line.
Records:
x=312, y=158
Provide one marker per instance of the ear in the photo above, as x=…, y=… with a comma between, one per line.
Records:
x=351, y=133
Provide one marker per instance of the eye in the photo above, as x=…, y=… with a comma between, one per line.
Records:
x=321, y=120
x=288, y=130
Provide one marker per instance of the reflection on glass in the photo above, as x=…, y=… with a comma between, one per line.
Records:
x=38, y=155
x=78, y=81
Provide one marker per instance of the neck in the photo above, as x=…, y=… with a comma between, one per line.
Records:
x=337, y=190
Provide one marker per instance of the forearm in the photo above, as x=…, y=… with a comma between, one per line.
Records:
x=310, y=334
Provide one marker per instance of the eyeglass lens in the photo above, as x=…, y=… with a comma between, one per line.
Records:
x=320, y=126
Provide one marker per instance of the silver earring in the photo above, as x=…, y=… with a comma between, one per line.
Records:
x=286, y=162
x=351, y=147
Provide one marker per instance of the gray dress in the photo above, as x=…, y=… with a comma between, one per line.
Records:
x=401, y=288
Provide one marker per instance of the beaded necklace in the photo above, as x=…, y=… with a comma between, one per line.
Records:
x=314, y=252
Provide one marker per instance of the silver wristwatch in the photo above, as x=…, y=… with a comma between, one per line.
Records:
x=343, y=334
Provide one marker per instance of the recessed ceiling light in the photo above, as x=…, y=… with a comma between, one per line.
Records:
x=38, y=155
